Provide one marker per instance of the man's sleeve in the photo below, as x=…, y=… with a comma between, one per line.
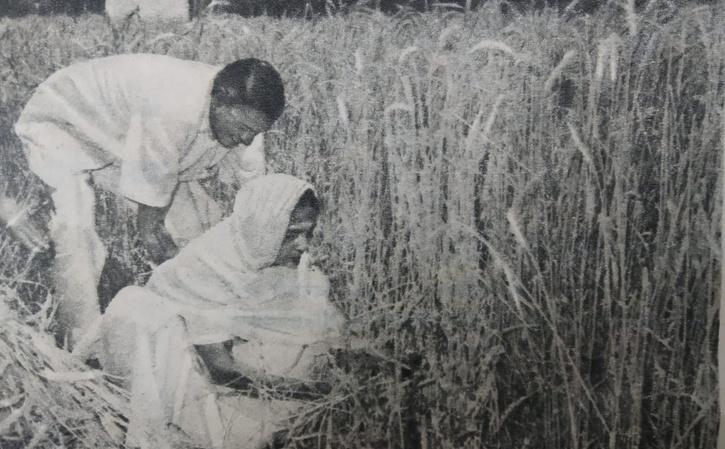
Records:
x=244, y=164
x=150, y=163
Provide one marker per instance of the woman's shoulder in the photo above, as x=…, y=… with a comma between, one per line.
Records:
x=285, y=281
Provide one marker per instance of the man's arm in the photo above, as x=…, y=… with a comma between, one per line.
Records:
x=149, y=177
x=156, y=239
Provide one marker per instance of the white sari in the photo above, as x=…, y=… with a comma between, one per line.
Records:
x=220, y=287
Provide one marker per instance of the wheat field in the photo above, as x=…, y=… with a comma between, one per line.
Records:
x=530, y=202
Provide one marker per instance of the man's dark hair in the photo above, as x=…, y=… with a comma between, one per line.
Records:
x=251, y=82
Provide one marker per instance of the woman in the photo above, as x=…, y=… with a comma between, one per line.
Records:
x=206, y=346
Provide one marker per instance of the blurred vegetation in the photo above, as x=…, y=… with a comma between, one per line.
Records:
x=309, y=8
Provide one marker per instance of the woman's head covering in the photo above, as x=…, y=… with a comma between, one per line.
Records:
x=261, y=216
x=217, y=267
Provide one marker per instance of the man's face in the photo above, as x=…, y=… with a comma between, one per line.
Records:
x=235, y=125
x=297, y=239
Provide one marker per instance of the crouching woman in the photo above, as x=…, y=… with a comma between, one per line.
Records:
x=217, y=348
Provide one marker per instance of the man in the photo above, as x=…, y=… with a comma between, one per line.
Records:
x=145, y=127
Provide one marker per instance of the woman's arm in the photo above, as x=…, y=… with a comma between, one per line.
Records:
x=224, y=370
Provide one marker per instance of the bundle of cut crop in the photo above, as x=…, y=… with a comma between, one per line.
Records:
x=47, y=397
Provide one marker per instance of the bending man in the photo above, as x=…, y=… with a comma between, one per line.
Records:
x=145, y=127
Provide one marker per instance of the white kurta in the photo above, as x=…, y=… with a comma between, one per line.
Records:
x=146, y=116
x=136, y=125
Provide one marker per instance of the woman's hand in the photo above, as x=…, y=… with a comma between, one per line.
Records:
x=221, y=366
x=224, y=370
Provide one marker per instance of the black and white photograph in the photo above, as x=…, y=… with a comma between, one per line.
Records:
x=363, y=224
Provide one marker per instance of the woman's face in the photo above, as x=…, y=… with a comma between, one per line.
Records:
x=297, y=239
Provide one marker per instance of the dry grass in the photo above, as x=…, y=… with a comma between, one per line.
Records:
x=49, y=399
x=530, y=203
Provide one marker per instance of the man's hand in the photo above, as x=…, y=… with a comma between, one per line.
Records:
x=155, y=238
x=159, y=245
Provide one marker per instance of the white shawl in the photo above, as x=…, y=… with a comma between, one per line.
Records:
x=220, y=287
x=222, y=283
